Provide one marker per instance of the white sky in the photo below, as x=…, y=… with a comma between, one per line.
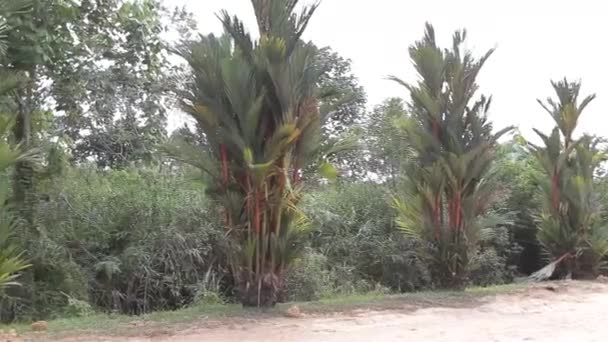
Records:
x=536, y=41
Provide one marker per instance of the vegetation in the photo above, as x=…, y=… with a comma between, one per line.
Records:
x=281, y=186
x=448, y=186
x=571, y=227
x=257, y=106
x=11, y=155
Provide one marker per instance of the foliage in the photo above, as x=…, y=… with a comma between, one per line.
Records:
x=448, y=187
x=110, y=225
x=353, y=227
x=257, y=105
x=309, y=278
x=209, y=289
x=11, y=259
x=570, y=220
x=519, y=175
x=385, y=139
x=38, y=38
x=343, y=103
x=128, y=241
x=496, y=260
x=77, y=308
x=111, y=85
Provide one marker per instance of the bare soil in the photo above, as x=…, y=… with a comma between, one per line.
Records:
x=565, y=311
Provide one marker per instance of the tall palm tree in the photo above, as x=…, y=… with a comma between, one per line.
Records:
x=256, y=103
x=570, y=222
x=448, y=187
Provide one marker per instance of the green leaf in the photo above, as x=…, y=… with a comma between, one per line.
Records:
x=328, y=171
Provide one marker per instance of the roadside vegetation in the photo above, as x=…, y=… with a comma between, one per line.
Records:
x=284, y=185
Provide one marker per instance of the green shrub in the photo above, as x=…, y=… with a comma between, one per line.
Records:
x=403, y=269
x=496, y=261
x=313, y=278
x=488, y=268
x=309, y=278
x=77, y=308
x=128, y=241
x=354, y=228
x=209, y=290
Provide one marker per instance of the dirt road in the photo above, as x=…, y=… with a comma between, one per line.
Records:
x=571, y=312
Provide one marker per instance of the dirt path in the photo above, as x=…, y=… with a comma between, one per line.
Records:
x=568, y=312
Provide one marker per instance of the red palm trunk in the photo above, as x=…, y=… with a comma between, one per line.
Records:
x=257, y=215
x=555, y=193
x=224, y=162
x=437, y=213
x=225, y=178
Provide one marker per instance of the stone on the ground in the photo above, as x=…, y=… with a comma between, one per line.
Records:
x=40, y=326
x=293, y=312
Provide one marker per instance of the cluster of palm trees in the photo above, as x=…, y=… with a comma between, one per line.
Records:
x=571, y=228
x=256, y=100
x=448, y=188
x=257, y=104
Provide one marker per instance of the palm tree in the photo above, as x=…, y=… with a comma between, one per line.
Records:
x=570, y=222
x=448, y=187
x=257, y=104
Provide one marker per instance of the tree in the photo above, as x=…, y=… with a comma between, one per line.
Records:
x=449, y=183
x=571, y=228
x=11, y=261
x=257, y=105
x=343, y=103
x=95, y=75
x=385, y=139
x=111, y=86
x=36, y=36
x=345, y=99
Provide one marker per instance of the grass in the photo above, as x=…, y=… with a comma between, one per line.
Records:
x=121, y=324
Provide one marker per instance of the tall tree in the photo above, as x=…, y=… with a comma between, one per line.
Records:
x=257, y=105
x=448, y=186
x=95, y=75
x=345, y=99
x=11, y=81
x=37, y=36
x=384, y=140
x=111, y=86
x=343, y=103
x=571, y=228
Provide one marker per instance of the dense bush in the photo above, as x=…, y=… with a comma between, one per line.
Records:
x=496, y=260
x=354, y=228
x=309, y=278
x=356, y=247
x=520, y=175
x=126, y=241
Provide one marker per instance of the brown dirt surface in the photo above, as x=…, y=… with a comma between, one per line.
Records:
x=564, y=311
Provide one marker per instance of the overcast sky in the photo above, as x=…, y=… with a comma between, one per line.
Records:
x=535, y=40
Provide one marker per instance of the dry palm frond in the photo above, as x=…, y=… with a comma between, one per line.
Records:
x=546, y=272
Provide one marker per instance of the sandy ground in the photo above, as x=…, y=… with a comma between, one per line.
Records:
x=566, y=312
